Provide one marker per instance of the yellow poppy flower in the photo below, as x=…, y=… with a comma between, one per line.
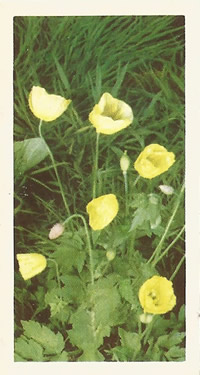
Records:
x=156, y=295
x=46, y=106
x=110, y=115
x=102, y=211
x=31, y=264
x=153, y=161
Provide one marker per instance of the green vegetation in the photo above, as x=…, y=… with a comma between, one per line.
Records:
x=59, y=314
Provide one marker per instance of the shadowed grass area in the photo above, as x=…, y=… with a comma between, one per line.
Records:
x=138, y=59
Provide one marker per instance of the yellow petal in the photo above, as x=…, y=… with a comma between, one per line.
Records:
x=46, y=107
x=110, y=115
x=153, y=161
x=102, y=211
x=31, y=264
x=156, y=295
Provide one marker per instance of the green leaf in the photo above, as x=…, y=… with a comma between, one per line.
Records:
x=92, y=356
x=130, y=340
x=52, y=343
x=29, y=350
x=29, y=153
x=175, y=353
x=106, y=302
x=126, y=291
x=181, y=314
x=86, y=334
x=73, y=291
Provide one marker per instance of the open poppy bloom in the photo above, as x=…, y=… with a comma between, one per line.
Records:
x=110, y=115
x=46, y=106
x=31, y=264
x=153, y=161
x=102, y=211
x=156, y=295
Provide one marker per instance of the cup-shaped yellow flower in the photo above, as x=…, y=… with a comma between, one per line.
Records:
x=110, y=115
x=46, y=107
x=102, y=211
x=156, y=295
x=31, y=264
x=153, y=161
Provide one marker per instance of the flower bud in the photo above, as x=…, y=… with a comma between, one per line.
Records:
x=124, y=162
x=168, y=190
x=146, y=318
x=56, y=231
x=110, y=254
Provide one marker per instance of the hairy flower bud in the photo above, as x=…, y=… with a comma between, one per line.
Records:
x=168, y=190
x=56, y=231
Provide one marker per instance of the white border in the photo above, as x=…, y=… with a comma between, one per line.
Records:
x=190, y=9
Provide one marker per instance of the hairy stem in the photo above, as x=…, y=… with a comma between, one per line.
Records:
x=96, y=166
x=88, y=241
x=156, y=253
x=55, y=169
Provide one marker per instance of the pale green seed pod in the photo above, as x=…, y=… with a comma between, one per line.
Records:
x=146, y=318
x=110, y=254
x=124, y=162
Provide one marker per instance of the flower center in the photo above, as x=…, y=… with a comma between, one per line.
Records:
x=154, y=297
x=112, y=111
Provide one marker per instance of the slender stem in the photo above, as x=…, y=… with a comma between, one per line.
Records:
x=177, y=268
x=57, y=275
x=156, y=253
x=126, y=192
x=136, y=180
x=88, y=241
x=96, y=166
x=169, y=247
x=55, y=169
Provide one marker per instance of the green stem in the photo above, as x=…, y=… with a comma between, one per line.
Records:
x=169, y=247
x=177, y=268
x=96, y=166
x=57, y=275
x=156, y=252
x=88, y=241
x=126, y=192
x=55, y=169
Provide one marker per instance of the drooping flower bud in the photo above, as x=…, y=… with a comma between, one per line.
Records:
x=56, y=231
x=146, y=318
x=31, y=265
x=124, y=162
x=168, y=190
x=110, y=254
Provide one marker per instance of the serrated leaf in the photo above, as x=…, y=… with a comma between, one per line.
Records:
x=58, y=306
x=73, y=291
x=139, y=218
x=29, y=349
x=86, y=334
x=126, y=291
x=52, y=343
x=29, y=153
x=130, y=340
x=68, y=255
x=181, y=314
x=175, y=353
x=63, y=357
x=106, y=302
x=91, y=356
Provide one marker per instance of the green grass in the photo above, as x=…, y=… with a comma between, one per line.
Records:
x=139, y=60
